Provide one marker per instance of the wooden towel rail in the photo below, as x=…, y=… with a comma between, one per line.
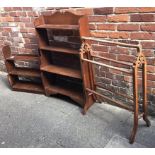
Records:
x=140, y=63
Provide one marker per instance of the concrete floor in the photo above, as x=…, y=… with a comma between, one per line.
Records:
x=31, y=120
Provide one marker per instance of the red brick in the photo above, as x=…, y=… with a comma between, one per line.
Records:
x=7, y=19
x=32, y=14
x=148, y=45
x=147, y=9
x=100, y=48
x=134, y=9
x=118, y=18
x=8, y=8
x=81, y=11
x=151, y=84
x=13, y=14
x=129, y=41
x=126, y=58
x=125, y=10
x=92, y=26
x=113, y=71
x=27, y=9
x=148, y=27
x=17, y=8
x=148, y=53
x=16, y=19
x=25, y=19
x=97, y=18
x=151, y=61
x=142, y=36
x=128, y=79
x=142, y=18
x=103, y=11
x=150, y=69
x=118, y=50
x=118, y=35
x=107, y=55
x=99, y=34
x=21, y=14
x=106, y=26
x=151, y=77
x=128, y=27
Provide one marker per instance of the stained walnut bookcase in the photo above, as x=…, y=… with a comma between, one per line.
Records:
x=22, y=78
x=61, y=70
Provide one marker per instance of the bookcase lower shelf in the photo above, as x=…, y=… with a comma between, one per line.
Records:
x=28, y=87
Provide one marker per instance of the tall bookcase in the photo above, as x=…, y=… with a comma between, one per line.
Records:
x=59, y=43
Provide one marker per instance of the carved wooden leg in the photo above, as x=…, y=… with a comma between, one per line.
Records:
x=136, y=106
x=145, y=118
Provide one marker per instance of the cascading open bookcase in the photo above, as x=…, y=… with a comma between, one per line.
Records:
x=22, y=78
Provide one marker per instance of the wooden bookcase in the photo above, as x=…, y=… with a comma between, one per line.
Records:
x=22, y=78
x=59, y=38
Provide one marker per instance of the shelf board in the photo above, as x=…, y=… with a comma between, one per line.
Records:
x=28, y=87
x=23, y=57
x=27, y=72
x=62, y=71
x=62, y=27
x=75, y=95
x=60, y=49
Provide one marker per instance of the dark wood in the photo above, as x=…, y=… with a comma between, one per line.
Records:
x=26, y=72
x=60, y=49
x=62, y=71
x=75, y=95
x=28, y=87
x=23, y=57
x=63, y=27
x=15, y=72
x=58, y=22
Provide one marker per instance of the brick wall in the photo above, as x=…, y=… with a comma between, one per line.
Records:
x=131, y=25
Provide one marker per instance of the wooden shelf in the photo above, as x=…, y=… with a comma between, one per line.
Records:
x=28, y=87
x=24, y=57
x=62, y=71
x=27, y=72
x=63, y=27
x=76, y=95
x=60, y=49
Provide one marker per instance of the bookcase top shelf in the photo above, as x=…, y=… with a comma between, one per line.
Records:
x=58, y=19
x=63, y=27
x=23, y=57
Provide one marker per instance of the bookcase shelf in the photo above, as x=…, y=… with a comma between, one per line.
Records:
x=60, y=49
x=26, y=72
x=63, y=27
